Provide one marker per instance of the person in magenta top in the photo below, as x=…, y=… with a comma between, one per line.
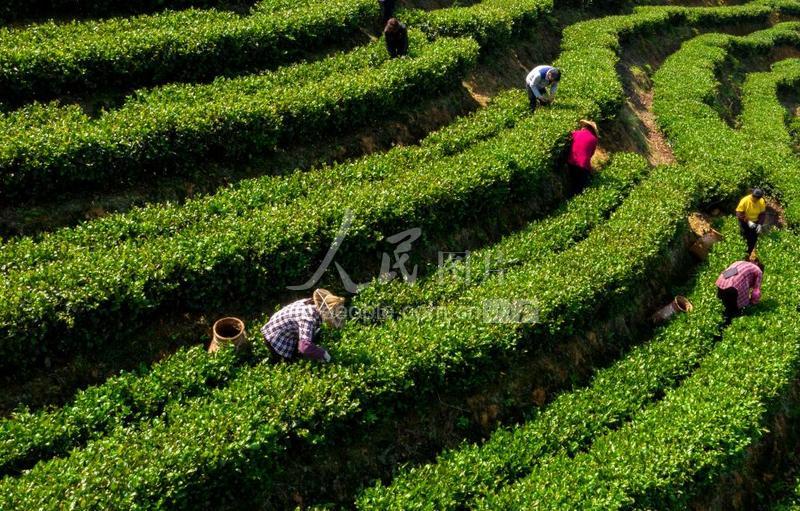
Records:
x=582, y=147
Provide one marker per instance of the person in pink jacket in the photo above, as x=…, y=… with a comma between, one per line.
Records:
x=579, y=164
x=293, y=328
x=739, y=286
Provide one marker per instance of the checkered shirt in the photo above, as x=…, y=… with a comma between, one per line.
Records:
x=287, y=327
x=749, y=277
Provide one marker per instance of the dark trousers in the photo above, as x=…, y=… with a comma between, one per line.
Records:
x=534, y=101
x=387, y=10
x=577, y=178
x=729, y=298
x=397, y=46
x=750, y=236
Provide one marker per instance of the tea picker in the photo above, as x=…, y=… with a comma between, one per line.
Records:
x=542, y=84
x=739, y=286
x=582, y=147
x=396, y=36
x=293, y=328
x=751, y=213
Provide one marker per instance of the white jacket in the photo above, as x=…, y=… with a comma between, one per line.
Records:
x=538, y=84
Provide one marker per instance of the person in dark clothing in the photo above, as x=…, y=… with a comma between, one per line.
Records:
x=387, y=10
x=396, y=35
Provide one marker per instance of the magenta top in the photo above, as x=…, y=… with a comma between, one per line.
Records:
x=583, y=145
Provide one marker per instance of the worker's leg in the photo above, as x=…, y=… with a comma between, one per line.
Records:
x=751, y=243
x=576, y=180
x=582, y=180
x=531, y=97
x=729, y=299
x=274, y=357
x=750, y=236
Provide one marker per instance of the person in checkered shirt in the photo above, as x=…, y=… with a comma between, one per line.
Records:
x=739, y=286
x=293, y=328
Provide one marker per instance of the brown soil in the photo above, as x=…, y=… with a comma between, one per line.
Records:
x=699, y=224
x=635, y=67
x=775, y=216
x=659, y=151
x=506, y=69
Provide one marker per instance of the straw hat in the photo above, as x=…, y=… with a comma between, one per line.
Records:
x=330, y=307
x=589, y=124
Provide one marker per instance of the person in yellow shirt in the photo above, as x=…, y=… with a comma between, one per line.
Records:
x=751, y=213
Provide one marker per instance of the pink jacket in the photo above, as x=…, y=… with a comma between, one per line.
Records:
x=748, y=278
x=583, y=146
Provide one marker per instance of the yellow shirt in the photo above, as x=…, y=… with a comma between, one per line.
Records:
x=751, y=207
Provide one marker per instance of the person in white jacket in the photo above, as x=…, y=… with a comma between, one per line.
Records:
x=542, y=84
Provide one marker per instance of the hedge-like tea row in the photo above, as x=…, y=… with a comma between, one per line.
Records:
x=14, y=10
x=493, y=23
x=699, y=430
x=172, y=454
x=371, y=364
x=764, y=122
x=599, y=40
x=63, y=304
x=571, y=223
x=28, y=437
x=50, y=59
x=48, y=147
x=764, y=116
x=697, y=132
x=570, y=423
x=152, y=221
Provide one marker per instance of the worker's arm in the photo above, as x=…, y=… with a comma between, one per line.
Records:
x=536, y=86
x=553, y=89
x=593, y=148
x=740, y=210
x=306, y=345
x=308, y=349
x=755, y=296
x=761, y=218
